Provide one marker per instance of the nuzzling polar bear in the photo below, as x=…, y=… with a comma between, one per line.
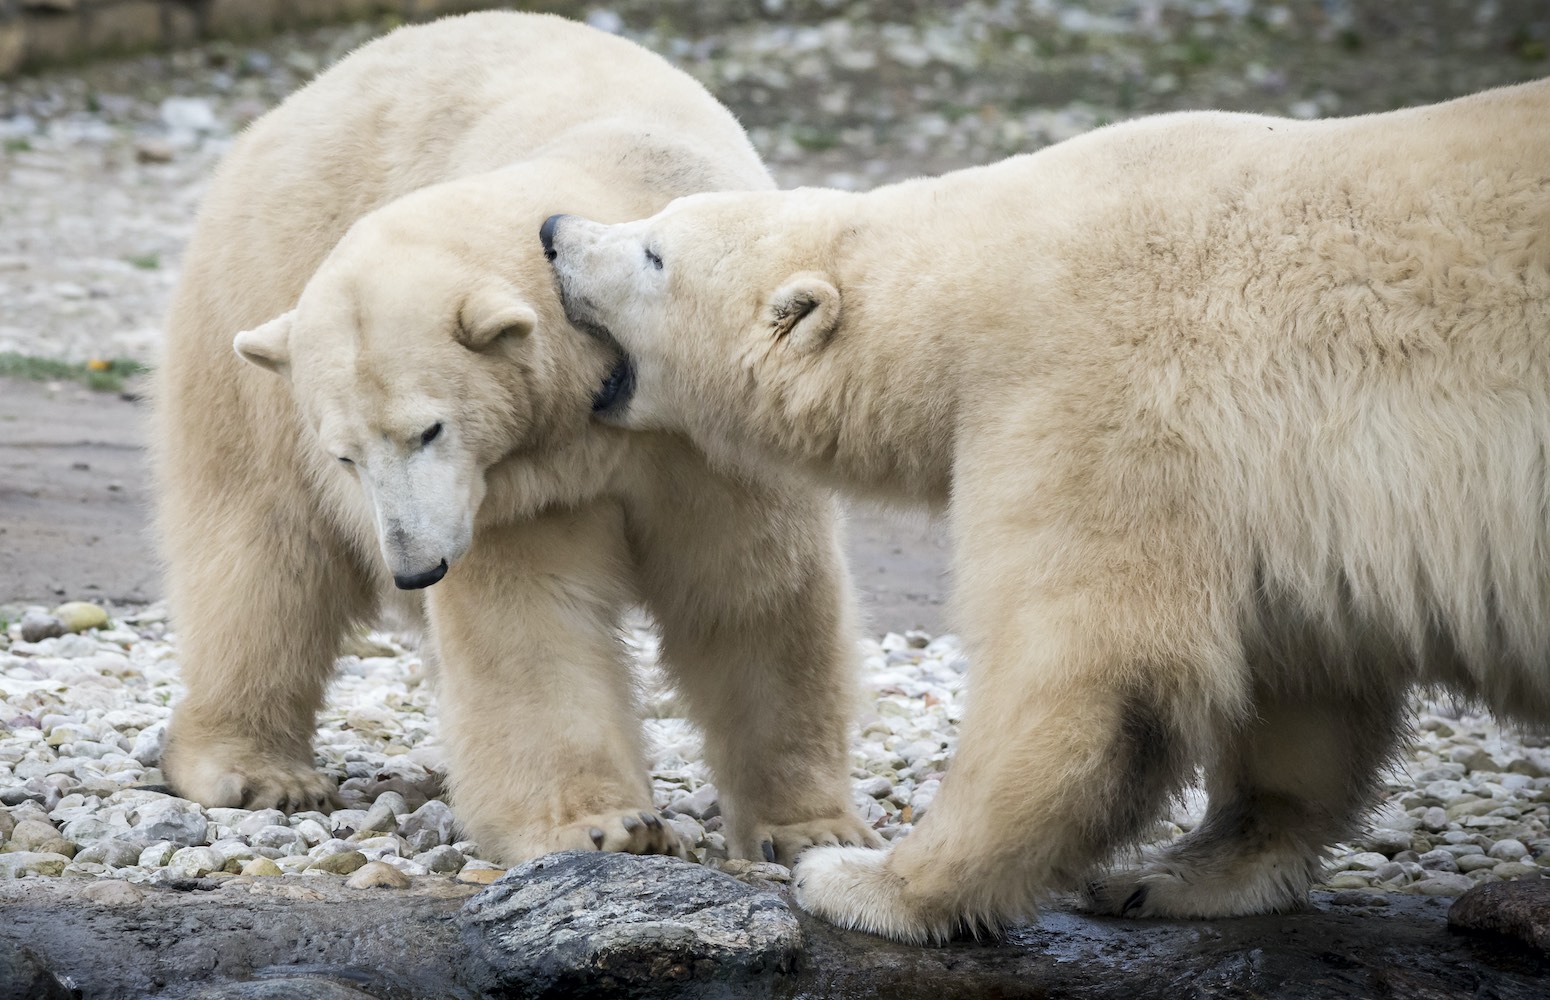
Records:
x=425, y=419
x=1241, y=425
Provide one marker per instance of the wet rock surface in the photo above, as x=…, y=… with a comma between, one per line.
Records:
x=587, y=925
x=571, y=922
x=1519, y=910
x=183, y=939
x=24, y=977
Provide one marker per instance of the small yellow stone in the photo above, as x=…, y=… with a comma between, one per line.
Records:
x=262, y=867
x=342, y=863
x=480, y=876
x=377, y=875
x=78, y=616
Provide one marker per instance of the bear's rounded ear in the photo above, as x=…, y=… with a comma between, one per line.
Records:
x=805, y=311
x=492, y=312
x=269, y=345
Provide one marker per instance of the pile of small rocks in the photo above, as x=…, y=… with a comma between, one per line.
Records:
x=84, y=702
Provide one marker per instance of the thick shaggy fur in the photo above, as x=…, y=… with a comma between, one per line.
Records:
x=361, y=237
x=1241, y=424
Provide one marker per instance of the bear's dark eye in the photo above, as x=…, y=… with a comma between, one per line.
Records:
x=345, y=461
x=431, y=433
x=654, y=260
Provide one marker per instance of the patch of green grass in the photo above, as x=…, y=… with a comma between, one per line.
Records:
x=145, y=261
x=18, y=144
x=1527, y=47
x=814, y=140
x=103, y=376
x=1199, y=52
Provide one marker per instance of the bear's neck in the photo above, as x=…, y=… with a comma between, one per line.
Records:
x=875, y=411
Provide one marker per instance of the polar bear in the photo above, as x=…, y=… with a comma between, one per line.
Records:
x=1240, y=424
x=407, y=405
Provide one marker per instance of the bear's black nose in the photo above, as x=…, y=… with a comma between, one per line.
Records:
x=419, y=581
x=546, y=235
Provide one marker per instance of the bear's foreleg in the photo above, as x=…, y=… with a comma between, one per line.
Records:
x=537, y=705
x=750, y=589
x=261, y=596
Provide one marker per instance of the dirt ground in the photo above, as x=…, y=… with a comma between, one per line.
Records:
x=75, y=514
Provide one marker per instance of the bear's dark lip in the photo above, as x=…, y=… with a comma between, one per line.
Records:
x=617, y=388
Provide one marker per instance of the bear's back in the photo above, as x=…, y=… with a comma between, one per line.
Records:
x=421, y=105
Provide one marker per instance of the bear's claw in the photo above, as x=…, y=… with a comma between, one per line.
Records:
x=633, y=831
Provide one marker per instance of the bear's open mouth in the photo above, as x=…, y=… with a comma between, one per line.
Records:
x=618, y=385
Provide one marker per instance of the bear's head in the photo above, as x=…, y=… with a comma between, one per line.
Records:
x=416, y=357
x=721, y=304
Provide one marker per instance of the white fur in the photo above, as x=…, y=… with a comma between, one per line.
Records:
x=1241, y=424
x=375, y=240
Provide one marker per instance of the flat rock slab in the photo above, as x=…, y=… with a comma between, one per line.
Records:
x=594, y=925
x=200, y=938
x=582, y=924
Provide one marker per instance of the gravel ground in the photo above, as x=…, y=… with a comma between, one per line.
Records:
x=84, y=714
x=100, y=173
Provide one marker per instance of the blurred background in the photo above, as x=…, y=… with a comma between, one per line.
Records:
x=114, y=112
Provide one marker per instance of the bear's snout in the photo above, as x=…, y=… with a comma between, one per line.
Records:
x=419, y=581
x=546, y=235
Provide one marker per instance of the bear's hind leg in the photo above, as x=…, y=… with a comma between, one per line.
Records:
x=537, y=704
x=1284, y=786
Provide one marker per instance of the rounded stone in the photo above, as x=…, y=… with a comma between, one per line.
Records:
x=177, y=820
x=274, y=836
x=78, y=616
x=17, y=864
x=1349, y=880
x=1508, y=850
x=196, y=862
x=377, y=875
x=261, y=868
x=382, y=817
x=1516, y=869
x=37, y=626
x=1443, y=884
x=433, y=820
x=39, y=835
x=342, y=863
x=445, y=859
x=157, y=855
x=1439, y=861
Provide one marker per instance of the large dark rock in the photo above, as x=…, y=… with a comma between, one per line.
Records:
x=594, y=924
x=23, y=976
x=1518, y=909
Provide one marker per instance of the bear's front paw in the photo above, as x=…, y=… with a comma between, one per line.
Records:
x=784, y=843
x=222, y=777
x=631, y=831
x=854, y=887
